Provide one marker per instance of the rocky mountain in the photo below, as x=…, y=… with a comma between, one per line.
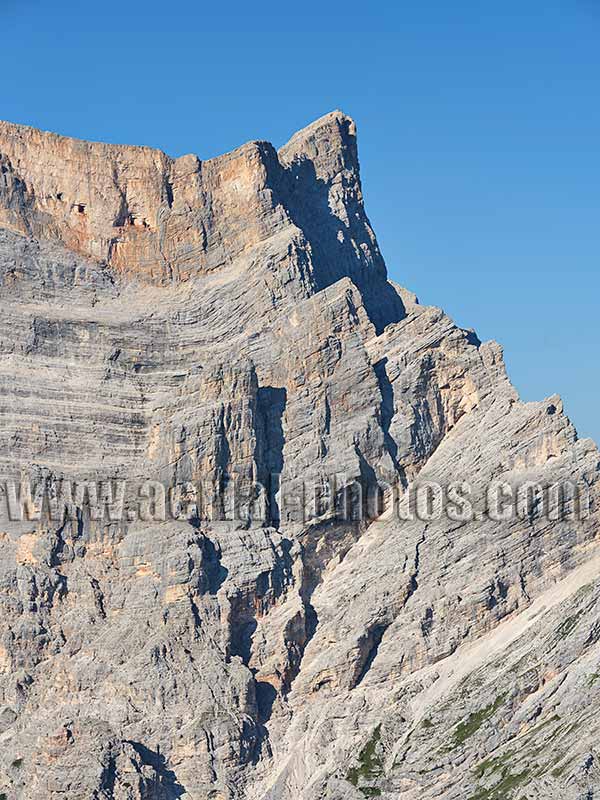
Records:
x=225, y=329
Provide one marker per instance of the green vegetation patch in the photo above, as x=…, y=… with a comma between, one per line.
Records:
x=565, y=628
x=503, y=790
x=491, y=765
x=474, y=721
x=559, y=771
x=370, y=766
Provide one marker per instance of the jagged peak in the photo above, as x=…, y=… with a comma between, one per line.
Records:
x=329, y=142
x=328, y=121
x=335, y=127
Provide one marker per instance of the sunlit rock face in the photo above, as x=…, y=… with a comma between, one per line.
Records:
x=225, y=329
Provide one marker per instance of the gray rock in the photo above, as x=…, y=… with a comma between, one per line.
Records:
x=230, y=323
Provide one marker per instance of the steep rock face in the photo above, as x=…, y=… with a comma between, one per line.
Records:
x=163, y=220
x=230, y=324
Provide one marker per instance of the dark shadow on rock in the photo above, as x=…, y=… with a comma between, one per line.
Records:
x=472, y=338
x=165, y=785
x=271, y=402
x=282, y=574
x=108, y=778
x=387, y=409
x=369, y=648
x=340, y=248
x=216, y=574
x=243, y=625
x=266, y=694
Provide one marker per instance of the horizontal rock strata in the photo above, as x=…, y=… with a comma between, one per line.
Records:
x=230, y=323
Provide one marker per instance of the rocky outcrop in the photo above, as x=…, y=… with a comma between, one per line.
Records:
x=226, y=329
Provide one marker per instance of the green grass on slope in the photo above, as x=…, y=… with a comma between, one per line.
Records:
x=370, y=766
x=505, y=788
x=474, y=721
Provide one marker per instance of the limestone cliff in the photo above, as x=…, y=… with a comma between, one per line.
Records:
x=230, y=323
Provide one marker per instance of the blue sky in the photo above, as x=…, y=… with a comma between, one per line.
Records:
x=479, y=127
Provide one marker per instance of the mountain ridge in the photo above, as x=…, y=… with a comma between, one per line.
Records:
x=230, y=324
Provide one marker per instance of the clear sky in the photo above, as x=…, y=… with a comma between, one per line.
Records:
x=479, y=128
